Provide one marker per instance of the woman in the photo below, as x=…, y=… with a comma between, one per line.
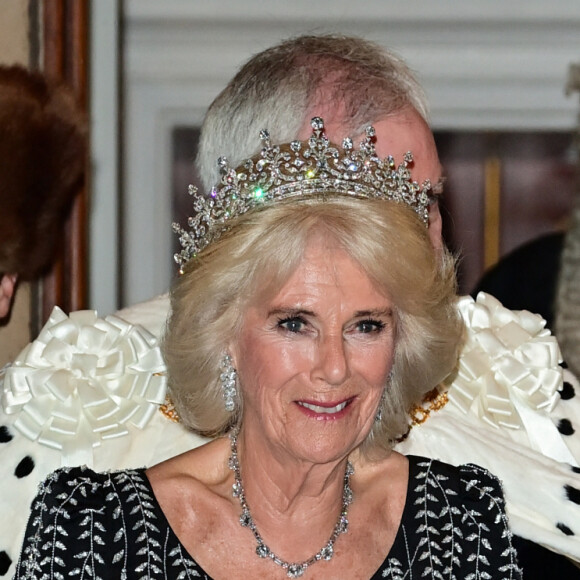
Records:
x=311, y=314
x=43, y=135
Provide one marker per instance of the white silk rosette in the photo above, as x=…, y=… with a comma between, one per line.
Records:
x=83, y=381
x=509, y=372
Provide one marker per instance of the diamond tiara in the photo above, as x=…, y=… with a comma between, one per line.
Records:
x=300, y=169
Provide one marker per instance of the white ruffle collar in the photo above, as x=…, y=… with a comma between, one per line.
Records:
x=83, y=381
x=509, y=372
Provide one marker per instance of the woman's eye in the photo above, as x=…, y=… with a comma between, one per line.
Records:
x=292, y=324
x=367, y=326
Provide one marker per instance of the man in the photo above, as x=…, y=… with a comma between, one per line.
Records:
x=351, y=84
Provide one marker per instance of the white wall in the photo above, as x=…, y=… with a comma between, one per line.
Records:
x=105, y=149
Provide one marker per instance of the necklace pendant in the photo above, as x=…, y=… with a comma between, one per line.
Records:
x=327, y=552
x=295, y=570
x=262, y=550
x=347, y=498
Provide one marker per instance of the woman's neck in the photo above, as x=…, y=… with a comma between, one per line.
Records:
x=284, y=486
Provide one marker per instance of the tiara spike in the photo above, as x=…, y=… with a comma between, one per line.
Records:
x=368, y=143
x=265, y=138
x=317, y=124
x=299, y=170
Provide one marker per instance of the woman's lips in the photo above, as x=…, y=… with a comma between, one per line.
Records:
x=325, y=410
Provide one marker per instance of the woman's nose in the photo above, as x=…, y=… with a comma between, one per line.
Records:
x=331, y=365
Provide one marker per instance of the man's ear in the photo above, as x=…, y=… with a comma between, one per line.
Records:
x=435, y=226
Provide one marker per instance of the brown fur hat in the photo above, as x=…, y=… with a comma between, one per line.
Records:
x=43, y=149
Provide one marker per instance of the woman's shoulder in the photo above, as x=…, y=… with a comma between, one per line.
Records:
x=74, y=491
x=454, y=520
x=88, y=484
x=467, y=475
x=468, y=501
x=434, y=480
x=468, y=486
x=204, y=467
x=192, y=486
x=83, y=520
x=466, y=481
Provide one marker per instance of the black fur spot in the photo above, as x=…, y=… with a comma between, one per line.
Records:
x=5, y=434
x=575, y=469
x=564, y=364
x=5, y=561
x=565, y=427
x=567, y=391
x=572, y=493
x=25, y=467
x=564, y=529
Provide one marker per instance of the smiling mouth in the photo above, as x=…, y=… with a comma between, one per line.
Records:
x=325, y=410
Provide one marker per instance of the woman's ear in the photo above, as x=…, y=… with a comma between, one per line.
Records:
x=232, y=352
x=7, y=285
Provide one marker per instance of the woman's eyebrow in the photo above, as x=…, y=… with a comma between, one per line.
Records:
x=290, y=311
x=374, y=312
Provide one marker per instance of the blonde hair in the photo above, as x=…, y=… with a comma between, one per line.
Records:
x=259, y=252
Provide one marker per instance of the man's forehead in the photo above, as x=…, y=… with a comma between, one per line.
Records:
x=396, y=134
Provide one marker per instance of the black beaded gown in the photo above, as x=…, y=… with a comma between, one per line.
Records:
x=89, y=525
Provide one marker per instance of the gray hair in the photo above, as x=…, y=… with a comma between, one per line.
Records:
x=280, y=88
x=258, y=254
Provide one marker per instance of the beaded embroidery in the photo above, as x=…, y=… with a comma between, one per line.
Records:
x=90, y=525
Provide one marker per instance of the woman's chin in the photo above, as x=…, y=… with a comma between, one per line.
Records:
x=322, y=440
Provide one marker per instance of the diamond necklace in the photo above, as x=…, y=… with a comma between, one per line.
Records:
x=293, y=569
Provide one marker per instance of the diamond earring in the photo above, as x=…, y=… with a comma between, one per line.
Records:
x=228, y=379
x=379, y=415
